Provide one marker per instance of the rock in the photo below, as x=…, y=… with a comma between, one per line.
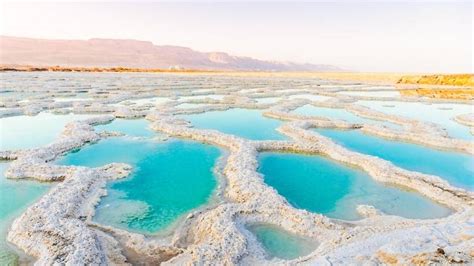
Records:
x=368, y=211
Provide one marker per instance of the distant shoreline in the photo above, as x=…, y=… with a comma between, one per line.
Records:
x=93, y=69
x=399, y=79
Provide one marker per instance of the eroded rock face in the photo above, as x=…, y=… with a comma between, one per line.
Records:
x=58, y=229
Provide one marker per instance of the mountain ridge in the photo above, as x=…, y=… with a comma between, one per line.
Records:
x=101, y=52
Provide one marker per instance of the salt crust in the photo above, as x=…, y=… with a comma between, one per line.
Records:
x=58, y=228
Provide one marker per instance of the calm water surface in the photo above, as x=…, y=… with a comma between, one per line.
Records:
x=324, y=186
x=169, y=179
x=339, y=114
x=245, y=123
x=26, y=132
x=15, y=197
x=440, y=113
x=456, y=168
x=281, y=244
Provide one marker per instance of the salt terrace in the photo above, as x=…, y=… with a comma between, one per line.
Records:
x=60, y=226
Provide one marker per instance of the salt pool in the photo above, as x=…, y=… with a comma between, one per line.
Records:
x=131, y=127
x=169, y=179
x=281, y=244
x=456, y=168
x=25, y=132
x=250, y=124
x=15, y=196
x=439, y=113
x=339, y=114
x=321, y=185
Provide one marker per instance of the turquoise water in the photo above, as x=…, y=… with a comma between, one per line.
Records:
x=338, y=114
x=169, y=179
x=281, y=244
x=131, y=127
x=456, y=168
x=245, y=123
x=25, y=132
x=15, y=197
x=323, y=186
x=440, y=113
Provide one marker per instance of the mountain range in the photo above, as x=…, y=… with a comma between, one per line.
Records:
x=132, y=54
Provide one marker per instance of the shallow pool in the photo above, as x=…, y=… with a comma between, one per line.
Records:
x=169, y=179
x=250, y=124
x=339, y=114
x=440, y=113
x=456, y=168
x=131, y=127
x=15, y=197
x=281, y=244
x=324, y=186
x=25, y=132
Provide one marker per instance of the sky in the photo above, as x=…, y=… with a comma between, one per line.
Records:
x=415, y=36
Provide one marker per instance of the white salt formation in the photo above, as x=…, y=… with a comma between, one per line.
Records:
x=59, y=227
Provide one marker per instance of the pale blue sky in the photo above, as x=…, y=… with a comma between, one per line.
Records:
x=365, y=36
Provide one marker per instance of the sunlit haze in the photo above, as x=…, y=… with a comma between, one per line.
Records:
x=361, y=36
